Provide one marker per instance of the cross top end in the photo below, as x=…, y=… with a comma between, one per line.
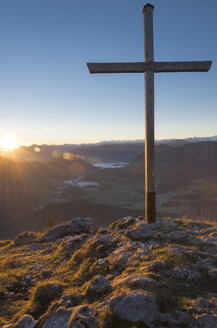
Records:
x=148, y=6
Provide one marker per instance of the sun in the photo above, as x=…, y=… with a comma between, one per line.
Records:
x=8, y=143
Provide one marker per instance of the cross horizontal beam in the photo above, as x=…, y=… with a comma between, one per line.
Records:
x=158, y=67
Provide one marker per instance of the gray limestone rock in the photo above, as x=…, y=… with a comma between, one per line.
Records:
x=25, y=238
x=36, y=247
x=126, y=256
x=72, y=243
x=136, y=281
x=26, y=321
x=59, y=319
x=118, y=258
x=178, y=319
x=82, y=316
x=187, y=274
x=141, y=232
x=69, y=300
x=135, y=307
x=178, y=235
x=125, y=222
x=184, y=319
x=76, y=226
x=103, y=245
x=98, y=286
x=158, y=266
x=207, y=321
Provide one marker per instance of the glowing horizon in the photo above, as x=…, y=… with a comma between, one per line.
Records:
x=7, y=143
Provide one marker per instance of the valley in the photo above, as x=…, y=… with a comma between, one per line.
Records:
x=63, y=188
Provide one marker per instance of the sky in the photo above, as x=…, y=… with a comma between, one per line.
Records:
x=48, y=96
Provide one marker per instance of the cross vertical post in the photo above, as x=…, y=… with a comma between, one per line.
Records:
x=150, y=196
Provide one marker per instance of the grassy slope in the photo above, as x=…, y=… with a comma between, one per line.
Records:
x=73, y=269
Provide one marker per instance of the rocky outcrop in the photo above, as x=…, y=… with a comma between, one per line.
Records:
x=25, y=238
x=26, y=321
x=76, y=226
x=129, y=275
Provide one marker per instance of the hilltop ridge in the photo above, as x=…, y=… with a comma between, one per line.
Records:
x=129, y=274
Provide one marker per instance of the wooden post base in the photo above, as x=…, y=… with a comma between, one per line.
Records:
x=150, y=210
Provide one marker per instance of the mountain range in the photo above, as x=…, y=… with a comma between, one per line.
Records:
x=105, y=151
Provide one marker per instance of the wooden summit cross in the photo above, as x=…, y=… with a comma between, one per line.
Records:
x=149, y=67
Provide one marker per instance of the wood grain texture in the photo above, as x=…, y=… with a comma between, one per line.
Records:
x=150, y=204
x=142, y=67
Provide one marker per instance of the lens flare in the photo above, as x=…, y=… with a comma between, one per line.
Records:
x=56, y=154
x=37, y=149
x=69, y=156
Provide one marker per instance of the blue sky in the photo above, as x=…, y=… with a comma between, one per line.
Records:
x=48, y=96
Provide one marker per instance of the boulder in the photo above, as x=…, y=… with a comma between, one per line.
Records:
x=25, y=238
x=76, y=226
x=82, y=317
x=36, y=247
x=118, y=258
x=98, y=286
x=69, y=300
x=101, y=246
x=125, y=222
x=141, y=232
x=135, y=307
x=184, y=319
x=178, y=319
x=59, y=319
x=71, y=244
x=184, y=273
x=178, y=235
x=26, y=321
x=135, y=281
x=158, y=266
x=207, y=321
